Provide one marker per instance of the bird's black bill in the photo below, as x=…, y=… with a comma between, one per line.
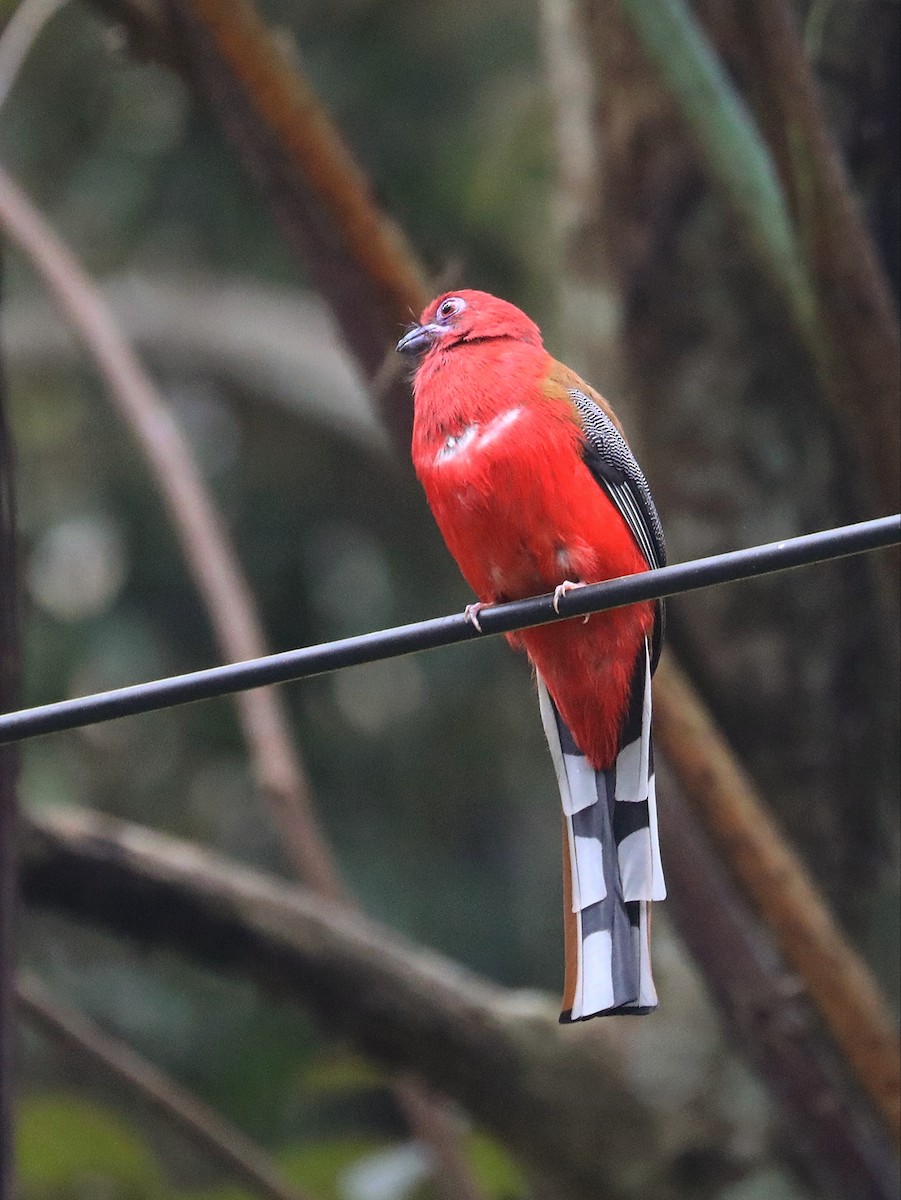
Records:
x=418, y=339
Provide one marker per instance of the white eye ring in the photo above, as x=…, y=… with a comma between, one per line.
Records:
x=449, y=308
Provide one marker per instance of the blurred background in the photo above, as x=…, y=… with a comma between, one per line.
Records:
x=554, y=173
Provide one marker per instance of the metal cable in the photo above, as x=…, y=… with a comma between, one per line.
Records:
x=445, y=631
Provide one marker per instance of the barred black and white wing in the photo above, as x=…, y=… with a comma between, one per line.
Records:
x=614, y=466
x=611, y=853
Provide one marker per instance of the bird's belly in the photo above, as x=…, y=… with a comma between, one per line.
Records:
x=520, y=513
x=504, y=536
x=520, y=516
x=512, y=541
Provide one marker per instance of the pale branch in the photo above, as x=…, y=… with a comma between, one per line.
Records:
x=322, y=201
x=201, y=532
x=19, y=35
x=572, y=87
x=229, y=600
x=558, y=1096
x=275, y=138
x=77, y=1035
x=270, y=342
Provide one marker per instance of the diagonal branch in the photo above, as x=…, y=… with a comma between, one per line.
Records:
x=560, y=1098
x=284, y=148
x=360, y=261
x=860, y=333
x=200, y=530
x=214, y=1136
x=835, y=976
x=737, y=159
x=508, y=1063
x=845, y=1153
x=796, y=207
x=214, y=565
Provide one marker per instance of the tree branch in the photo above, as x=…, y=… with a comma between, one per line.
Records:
x=560, y=1097
x=359, y=260
x=737, y=158
x=287, y=143
x=639, y=146
x=214, y=566
x=199, y=527
x=831, y=971
x=802, y=222
x=842, y=1147
x=559, y=1102
x=861, y=341
x=214, y=1136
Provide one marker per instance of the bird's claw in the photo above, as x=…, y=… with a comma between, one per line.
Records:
x=471, y=613
x=561, y=590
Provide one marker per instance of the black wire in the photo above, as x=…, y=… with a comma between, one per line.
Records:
x=445, y=631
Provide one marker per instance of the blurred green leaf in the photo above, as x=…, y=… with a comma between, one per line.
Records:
x=318, y=1166
x=333, y=1072
x=499, y=1175
x=71, y=1147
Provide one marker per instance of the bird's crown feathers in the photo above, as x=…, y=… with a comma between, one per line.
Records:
x=469, y=315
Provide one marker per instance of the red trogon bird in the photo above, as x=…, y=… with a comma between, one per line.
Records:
x=534, y=488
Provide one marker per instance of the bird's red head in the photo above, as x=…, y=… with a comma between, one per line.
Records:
x=467, y=316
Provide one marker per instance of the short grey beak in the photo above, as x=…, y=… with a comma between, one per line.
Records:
x=419, y=338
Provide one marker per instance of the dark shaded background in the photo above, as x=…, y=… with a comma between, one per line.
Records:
x=431, y=776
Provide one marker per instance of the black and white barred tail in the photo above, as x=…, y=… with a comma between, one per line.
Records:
x=611, y=861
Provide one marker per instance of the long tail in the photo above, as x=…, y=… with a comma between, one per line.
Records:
x=611, y=862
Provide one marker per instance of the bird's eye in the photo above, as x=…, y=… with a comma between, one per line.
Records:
x=449, y=308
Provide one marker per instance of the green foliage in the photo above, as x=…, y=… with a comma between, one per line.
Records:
x=430, y=775
x=72, y=1149
x=737, y=157
x=495, y=1169
x=320, y=1165
x=69, y=1149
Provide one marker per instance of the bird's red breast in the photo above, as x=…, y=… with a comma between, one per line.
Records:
x=498, y=446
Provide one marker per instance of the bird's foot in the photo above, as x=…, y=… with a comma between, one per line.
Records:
x=561, y=590
x=471, y=613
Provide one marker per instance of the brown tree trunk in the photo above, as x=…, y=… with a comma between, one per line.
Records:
x=740, y=447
